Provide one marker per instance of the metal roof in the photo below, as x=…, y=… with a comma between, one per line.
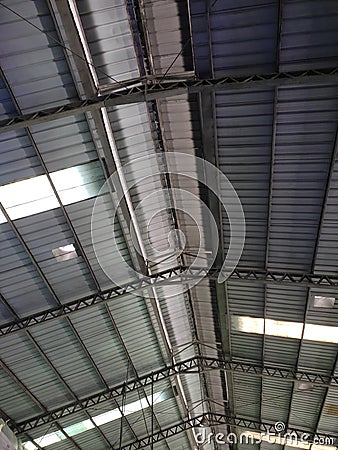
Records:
x=111, y=347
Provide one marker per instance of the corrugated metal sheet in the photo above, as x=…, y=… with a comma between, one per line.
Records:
x=304, y=145
x=18, y=158
x=64, y=142
x=24, y=360
x=32, y=61
x=275, y=401
x=19, y=278
x=69, y=279
x=167, y=29
x=109, y=38
x=234, y=37
x=309, y=37
x=244, y=133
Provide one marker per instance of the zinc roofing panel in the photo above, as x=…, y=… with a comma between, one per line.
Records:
x=64, y=143
x=18, y=158
x=286, y=303
x=304, y=145
x=7, y=108
x=275, y=400
x=167, y=29
x=309, y=37
x=326, y=259
x=250, y=44
x=305, y=407
x=45, y=232
x=14, y=401
x=109, y=38
x=18, y=278
x=96, y=331
x=23, y=358
x=317, y=356
x=64, y=351
x=43, y=78
x=244, y=132
x=247, y=393
x=132, y=320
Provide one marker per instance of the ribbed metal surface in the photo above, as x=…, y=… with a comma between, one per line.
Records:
x=309, y=35
x=64, y=143
x=69, y=279
x=237, y=36
x=305, y=408
x=18, y=158
x=244, y=132
x=32, y=61
x=15, y=401
x=247, y=392
x=285, y=303
x=326, y=258
x=108, y=34
x=304, y=145
x=275, y=400
x=7, y=108
x=19, y=278
x=24, y=360
x=167, y=31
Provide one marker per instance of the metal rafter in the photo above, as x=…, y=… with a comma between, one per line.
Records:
x=221, y=419
x=147, y=90
x=209, y=137
x=179, y=275
x=197, y=364
x=269, y=209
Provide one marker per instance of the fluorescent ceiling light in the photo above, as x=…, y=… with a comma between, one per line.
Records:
x=323, y=302
x=281, y=328
x=99, y=420
x=305, y=386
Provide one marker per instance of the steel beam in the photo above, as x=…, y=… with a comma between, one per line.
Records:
x=179, y=274
x=192, y=365
x=154, y=90
x=221, y=419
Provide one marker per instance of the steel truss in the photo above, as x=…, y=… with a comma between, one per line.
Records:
x=179, y=274
x=212, y=419
x=148, y=90
x=221, y=419
x=192, y=365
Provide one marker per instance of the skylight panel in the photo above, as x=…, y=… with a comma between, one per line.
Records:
x=99, y=420
x=35, y=195
x=65, y=253
x=27, y=197
x=2, y=218
x=281, y=328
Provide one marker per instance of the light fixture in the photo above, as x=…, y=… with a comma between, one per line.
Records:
x=282, y=328
x=305, y=386
x=65, y=253
x=320, y=301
